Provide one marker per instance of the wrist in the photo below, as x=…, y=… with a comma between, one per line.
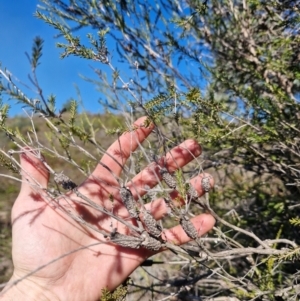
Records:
x=26, y=290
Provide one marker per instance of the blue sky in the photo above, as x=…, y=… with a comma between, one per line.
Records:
x=58, y=76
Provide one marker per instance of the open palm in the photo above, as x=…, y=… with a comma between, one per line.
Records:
x=73, y=261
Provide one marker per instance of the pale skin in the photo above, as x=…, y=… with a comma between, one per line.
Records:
x=42, y=232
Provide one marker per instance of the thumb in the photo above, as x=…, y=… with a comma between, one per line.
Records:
x=33, y=171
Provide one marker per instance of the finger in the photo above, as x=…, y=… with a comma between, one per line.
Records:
x=115, y=157
x=159, y=208
x=202, y=223
x=178, y=157
x=35, y=177
x=34, y=173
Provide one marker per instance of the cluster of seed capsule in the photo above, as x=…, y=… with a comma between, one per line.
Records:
x=133, y=242
x=151, y=237
x=151, y=230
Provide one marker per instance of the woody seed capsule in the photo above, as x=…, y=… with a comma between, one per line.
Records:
x=192, y=192
x=205, y=182
x=168, y=178
x=188, y=227
x=150, y=243
x=152, y=226
x=126, y=241
x=129, y=202
x=64, y=181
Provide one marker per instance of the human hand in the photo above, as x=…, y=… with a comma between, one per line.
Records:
x=72, y=261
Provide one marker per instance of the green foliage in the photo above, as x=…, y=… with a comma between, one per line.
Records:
x=159, y=106
x=73, y=112
x=8, y=164
x=74, y=47
x=295, y=221
x=4, y=109
x=36, y=52
x=119, y=294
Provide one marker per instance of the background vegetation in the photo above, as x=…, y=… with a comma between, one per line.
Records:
x=224, y=72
